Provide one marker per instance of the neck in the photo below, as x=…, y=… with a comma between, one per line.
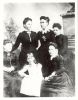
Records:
x=31, y=63
x=45, y=30
x=28, y=30
x=53, y=56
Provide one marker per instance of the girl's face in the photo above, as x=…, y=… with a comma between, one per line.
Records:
x=43, y=24
x=53, y=51
x=28, y=25
x=56, y=30
x=30, y=58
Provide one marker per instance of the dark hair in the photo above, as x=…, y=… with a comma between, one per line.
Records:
x=57, y=25
x=53, y=44
x=34, y=51
x=26, y=20
x=45, y=18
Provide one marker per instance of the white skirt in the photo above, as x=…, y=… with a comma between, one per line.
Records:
x=31, y=86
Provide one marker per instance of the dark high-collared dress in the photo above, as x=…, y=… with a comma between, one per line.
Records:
x=62, y=42
x=27, y=43
x=45, y=38
x=59, y=85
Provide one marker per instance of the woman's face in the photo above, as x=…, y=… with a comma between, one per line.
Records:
x=56, y=30
x=28, y=25
x=8, y=47
x=43, y=24
x=30, y=58
x=52, y=51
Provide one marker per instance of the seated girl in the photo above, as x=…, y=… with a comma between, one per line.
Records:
x=31, y=82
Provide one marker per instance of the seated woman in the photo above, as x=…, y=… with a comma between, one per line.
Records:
x=31, y=82
x=57, y=82
x=7, y=58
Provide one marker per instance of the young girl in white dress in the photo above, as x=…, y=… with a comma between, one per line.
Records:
x=31, y=83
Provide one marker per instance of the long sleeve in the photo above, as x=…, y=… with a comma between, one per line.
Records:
x=65, y=43
x=61, y=67
x=62, y=42
x=52, y=37
x=18, y=41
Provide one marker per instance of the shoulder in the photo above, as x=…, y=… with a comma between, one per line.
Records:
x=33, y=32
x=22, y=33
x=51, y=32
x=63, y=36
x=39, y=32
x=60, y=58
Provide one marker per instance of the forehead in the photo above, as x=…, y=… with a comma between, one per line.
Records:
x=28, y=22
x=30, y=54
x=51, y=47
x=56, y=28
x=43, y=20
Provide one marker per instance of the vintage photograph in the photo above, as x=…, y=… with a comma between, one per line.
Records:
x=39, y=49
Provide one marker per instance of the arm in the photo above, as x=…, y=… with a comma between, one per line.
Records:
x=18, y=40
x=38, y=40
x=52, y=37
x=64, y=43
x=39, y=44
x=39, y=72
x=61, y=66
x=21, y=72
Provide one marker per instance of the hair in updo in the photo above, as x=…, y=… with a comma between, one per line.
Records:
x=57, y=25
x=34, y=52
x=53, y=44
x=26, y=20
x=45, y=18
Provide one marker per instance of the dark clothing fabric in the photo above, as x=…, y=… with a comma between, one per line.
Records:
x=59, y=85
x=56, y=64
x=27, y=43
x=44, y=40
x=62, y=42
x=9, y=60
x=46, y=37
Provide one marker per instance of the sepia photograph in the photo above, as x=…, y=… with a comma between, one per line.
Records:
x=39, y=49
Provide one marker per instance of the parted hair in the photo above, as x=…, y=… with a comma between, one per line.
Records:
x=53, y=44
x=45, y=18
x=26, y=20
x=57, y=25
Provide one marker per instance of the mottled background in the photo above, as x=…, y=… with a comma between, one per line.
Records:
x=14, y=13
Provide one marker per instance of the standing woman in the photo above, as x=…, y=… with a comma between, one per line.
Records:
x=28, y=40
x=44, y=36
x=57, y=82
x=61, y=39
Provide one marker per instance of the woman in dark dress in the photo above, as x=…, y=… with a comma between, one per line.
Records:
x=56, y=82
x=44, y=36
x=61, y=39
x=28, y=40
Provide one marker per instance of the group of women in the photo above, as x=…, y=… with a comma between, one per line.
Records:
x=41, y=60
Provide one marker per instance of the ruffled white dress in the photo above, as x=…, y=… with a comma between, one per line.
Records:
x=31, y=84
